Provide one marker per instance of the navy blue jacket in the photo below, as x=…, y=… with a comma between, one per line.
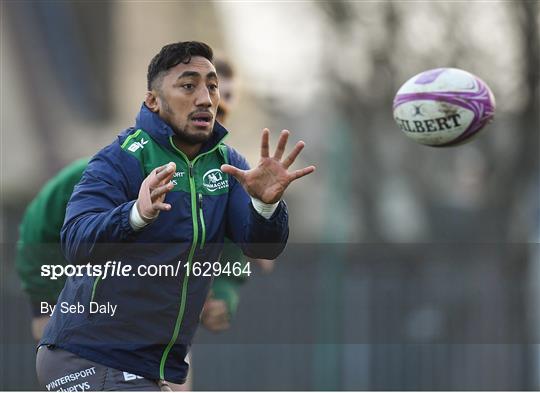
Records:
x=156, y=317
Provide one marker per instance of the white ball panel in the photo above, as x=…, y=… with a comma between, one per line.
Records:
x=444, y=80
x=432, y=122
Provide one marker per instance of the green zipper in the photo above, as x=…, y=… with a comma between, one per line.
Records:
x=193, y=192
x=201, y=216
x=96, y=281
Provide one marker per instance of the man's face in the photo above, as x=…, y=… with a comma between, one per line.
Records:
x=188, y=98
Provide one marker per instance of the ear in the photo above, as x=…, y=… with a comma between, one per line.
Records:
x=152, y=102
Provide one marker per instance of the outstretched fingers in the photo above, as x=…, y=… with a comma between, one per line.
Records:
x=161, y=206
x=293, y=154
x=301, y=173
x=282, y=143
x=162, y=174
x=160, y=192
x=265, y=143
x=239, y=174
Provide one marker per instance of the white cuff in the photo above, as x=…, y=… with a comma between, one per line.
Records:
x=135, y=219
x=264, y=209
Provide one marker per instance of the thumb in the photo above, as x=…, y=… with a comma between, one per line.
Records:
x=239, y=174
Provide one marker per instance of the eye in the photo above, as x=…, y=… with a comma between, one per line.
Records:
x=213, y=87
x=188, y=86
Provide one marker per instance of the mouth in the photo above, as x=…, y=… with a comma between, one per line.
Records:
x=202, y=119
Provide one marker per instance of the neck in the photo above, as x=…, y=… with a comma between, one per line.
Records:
x=188, y=149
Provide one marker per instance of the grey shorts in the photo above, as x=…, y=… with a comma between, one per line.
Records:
x=59, y=370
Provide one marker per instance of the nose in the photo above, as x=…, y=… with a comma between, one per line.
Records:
x=203, y=98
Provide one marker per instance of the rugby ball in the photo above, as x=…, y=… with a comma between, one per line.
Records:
x=443, y=107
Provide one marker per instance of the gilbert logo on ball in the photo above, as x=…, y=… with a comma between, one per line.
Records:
x=443, y=107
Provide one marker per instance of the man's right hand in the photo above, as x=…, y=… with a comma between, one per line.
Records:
x=152, y=192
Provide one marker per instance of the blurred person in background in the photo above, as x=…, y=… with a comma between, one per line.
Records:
x=228, y=91
x=39, y=239
x=181, y=103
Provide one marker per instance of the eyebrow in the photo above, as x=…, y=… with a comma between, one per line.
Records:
x=190, y=74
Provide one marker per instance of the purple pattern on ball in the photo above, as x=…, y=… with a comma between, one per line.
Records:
x=429, y=76
x=480, y=103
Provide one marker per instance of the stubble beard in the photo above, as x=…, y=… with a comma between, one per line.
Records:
x=181, y=134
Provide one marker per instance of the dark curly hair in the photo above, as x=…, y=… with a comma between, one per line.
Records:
x=172, y=55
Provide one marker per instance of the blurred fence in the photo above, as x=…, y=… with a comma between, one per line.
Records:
x=375, y=316
x=409, y=317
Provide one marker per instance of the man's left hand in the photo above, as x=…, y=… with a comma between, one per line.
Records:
x=269, y=180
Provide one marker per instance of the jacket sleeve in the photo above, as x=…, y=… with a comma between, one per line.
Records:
x=98, y=211
x=257, y=236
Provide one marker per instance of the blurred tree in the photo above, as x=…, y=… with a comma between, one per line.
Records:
x=473, y=193
x=524, y=168
x=63, y=52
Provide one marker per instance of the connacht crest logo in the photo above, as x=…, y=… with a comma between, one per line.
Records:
x=213, y=180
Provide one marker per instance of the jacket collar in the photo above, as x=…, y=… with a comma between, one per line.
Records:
x=161, y=132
